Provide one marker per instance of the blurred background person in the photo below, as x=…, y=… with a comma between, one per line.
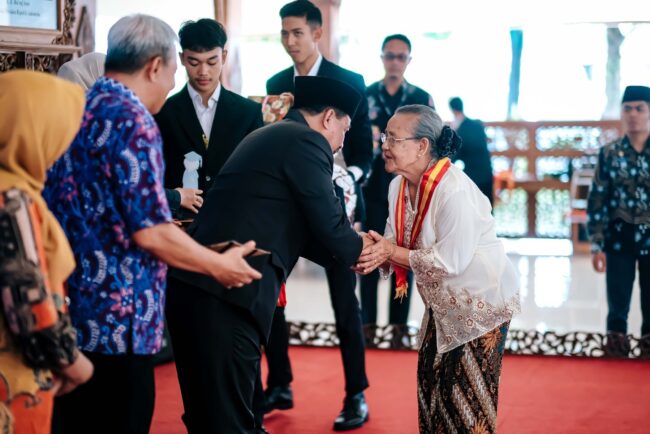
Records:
x=474, y=152
x=38, y=348
x=384, y=97
x=85, y=70
x=618, y=220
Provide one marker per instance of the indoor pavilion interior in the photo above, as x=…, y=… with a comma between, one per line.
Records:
x=546, y=78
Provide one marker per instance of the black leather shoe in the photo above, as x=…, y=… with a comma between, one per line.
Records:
x=354, y=413
x=617, y=345
x=261, y=430
x=278, y=398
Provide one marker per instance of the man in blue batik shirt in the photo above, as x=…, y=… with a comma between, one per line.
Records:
x=107, y=193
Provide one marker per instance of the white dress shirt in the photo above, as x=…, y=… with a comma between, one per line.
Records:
x=203, y=113
x=314, y=69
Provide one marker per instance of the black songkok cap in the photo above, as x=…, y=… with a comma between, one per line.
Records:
x=636, y=93
x=311, y=91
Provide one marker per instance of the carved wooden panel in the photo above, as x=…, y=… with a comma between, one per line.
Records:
x=68, y=23
x=47, y=50
x=526, y=342
x=44, y=63
x=7, y=61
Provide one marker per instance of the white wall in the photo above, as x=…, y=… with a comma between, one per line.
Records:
x=170, y=11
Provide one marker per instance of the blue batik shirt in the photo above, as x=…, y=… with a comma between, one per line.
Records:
x=618, y=211
x=106, y=187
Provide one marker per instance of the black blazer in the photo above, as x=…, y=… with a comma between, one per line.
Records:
x=181, y=132
x=357, y=149
x=474, y=152
x=276, y=189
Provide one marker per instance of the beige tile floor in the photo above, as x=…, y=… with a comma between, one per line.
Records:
x=560, y=292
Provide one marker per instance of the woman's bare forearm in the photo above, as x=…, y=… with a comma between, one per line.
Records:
x=400, y=257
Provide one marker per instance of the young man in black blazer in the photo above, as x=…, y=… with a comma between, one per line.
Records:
x=276, y=189
x=301, y=31
x=203, y=117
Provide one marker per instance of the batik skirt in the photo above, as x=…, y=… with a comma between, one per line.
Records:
x=458, y=390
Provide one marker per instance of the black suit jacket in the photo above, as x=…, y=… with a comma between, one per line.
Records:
x=234, y=118
x=357, y=149
x=474, y=152
x=276, y=189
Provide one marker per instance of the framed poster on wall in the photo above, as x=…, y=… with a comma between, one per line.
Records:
x=30, y=14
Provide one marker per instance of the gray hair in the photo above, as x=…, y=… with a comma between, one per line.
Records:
x=136, y=39
x=429, y=125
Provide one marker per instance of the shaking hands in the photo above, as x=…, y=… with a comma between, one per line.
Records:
x=377, y=250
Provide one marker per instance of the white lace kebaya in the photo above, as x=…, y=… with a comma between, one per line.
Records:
x=460, y=267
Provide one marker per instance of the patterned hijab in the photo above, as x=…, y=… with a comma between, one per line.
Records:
x=39, y=116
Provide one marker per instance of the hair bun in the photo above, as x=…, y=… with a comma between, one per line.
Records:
x=448, y=143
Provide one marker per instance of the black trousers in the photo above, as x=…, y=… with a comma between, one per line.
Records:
x=620, y=273
x=119, y=398
x=217, y=354
x=277, y=352
x=376, y=216
x=398, y=310
x=342, y=282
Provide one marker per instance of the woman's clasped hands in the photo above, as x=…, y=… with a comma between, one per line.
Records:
x=377, y=251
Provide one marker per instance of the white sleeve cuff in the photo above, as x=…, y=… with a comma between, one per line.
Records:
x=356, y=172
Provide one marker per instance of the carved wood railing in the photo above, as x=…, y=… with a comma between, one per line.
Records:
x=539, y=158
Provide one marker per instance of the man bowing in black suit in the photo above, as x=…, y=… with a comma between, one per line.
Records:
x=301, y=30
x=204, y=117
x=276, y=188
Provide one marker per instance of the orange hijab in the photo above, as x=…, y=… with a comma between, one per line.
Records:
x=39, y=116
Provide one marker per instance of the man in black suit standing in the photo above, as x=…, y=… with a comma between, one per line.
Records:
x=301, y=31
x=474, y=153
x=203, y=117
x=384, y=97
x=276, y=188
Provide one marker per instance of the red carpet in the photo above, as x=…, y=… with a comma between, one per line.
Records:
x=545, y=395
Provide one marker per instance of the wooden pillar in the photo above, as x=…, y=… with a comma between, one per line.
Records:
x=228, y=13
x=329, y=44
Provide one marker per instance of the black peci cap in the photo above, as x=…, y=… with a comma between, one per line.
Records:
x=312, y=91
x=636, y=93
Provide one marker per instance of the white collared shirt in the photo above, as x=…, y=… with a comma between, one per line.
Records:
x=203, y=113
x=314, y=69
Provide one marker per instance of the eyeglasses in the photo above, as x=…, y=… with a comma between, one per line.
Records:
x=402, y=57
x=391, y=141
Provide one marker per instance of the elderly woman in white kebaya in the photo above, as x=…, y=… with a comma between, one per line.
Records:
x=440, y=226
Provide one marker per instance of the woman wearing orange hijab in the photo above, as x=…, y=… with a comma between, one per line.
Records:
x=39, y=116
